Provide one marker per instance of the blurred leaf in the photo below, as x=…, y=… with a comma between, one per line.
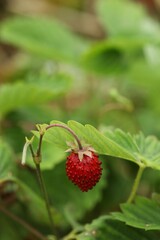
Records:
x=34, y=113
x=146, y=76
x=105, y=57
x=45, y=37
x=143, y=214
x=126, y=18
x=119, y=98
x=112, y=55
x=136, y=148
x=57, y=83
x=156, y=197
x=14, y=132
x=8, y=230
x=105, y=228
x=20, y=94
x=7, y=164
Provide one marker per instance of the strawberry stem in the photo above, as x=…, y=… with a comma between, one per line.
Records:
x=69, y=130
x=45, y=196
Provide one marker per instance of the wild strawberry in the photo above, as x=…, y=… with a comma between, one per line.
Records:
x=83, y=168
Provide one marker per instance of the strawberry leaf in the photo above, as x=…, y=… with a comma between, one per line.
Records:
x=105, y=228
x=144, y=151
x=143, y=214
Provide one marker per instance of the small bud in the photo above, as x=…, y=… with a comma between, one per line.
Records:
x=24, y=152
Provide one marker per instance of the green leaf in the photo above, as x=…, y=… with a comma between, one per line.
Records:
x=21, y=94
x=42, y=36
x=101, y=143
x=6, y=161
x=105, y=228
x=138, y=149
x=126, y=18
x=143, y=214
x=146, y=150
x=89, y=134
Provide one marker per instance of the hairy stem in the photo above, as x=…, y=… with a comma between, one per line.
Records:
x=20, y=221
x=45, y=196
x=37, y=160
x=69, y=130
x=40, y=145
x=136, y=184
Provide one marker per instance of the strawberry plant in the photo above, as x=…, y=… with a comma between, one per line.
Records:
x=96, y=176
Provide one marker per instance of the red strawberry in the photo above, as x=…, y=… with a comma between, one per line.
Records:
x=83, y=168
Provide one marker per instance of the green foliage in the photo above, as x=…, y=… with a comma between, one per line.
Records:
x=143, y=151
x=21, y=94
x=8, y=229
x=106, y=228
x=7, y=164
x=44, y=37
x=127, y=39
x=115, y=15
x=143, y=214
x=112, y=84
x=107, y=57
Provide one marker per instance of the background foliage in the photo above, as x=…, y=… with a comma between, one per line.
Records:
x=103, y=74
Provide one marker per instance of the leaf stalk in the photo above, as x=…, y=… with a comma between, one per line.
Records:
x=136, y=184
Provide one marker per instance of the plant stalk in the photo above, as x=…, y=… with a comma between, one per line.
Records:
x=37, y=160
x=40, y=146
x=69, y=130
x=136, y=184
x=45, y=196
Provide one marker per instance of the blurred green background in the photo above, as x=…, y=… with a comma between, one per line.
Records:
x=93, y=61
